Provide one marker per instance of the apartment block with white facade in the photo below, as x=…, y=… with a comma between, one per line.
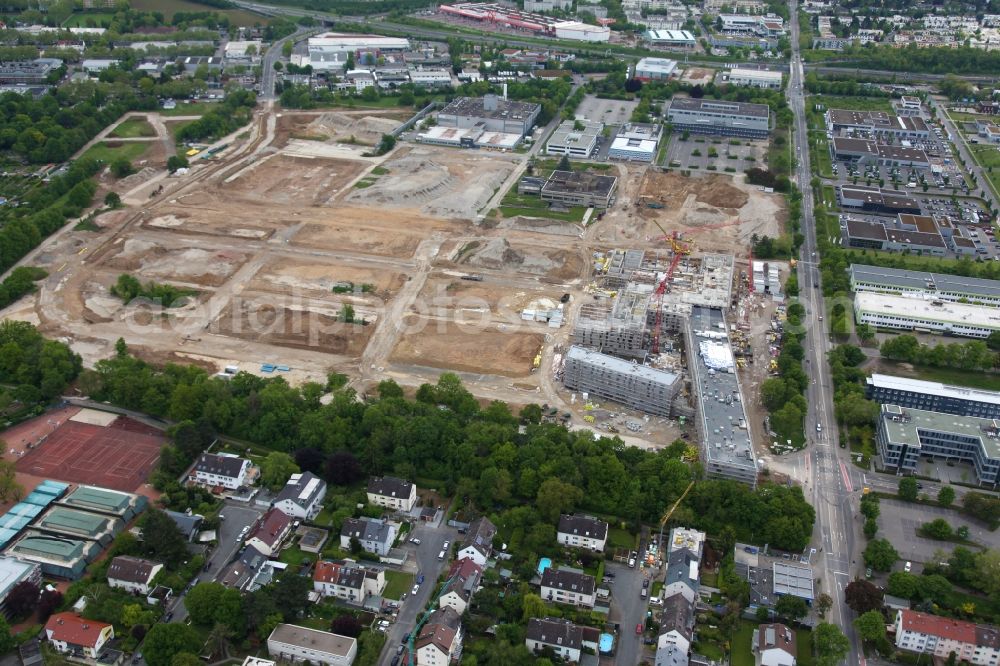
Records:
x=392, y=493
x=582, y=532
x=972, y=643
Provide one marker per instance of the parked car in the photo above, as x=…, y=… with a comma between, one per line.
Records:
x=638, y=629
x=907, y=567
x=415, y=541
x=416, y=588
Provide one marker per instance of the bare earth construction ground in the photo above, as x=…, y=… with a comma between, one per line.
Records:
x=292, y=209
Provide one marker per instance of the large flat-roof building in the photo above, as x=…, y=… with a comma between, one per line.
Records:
x=635, y=142
x=933, y=396
x=13, y=572
x=59, y=557
x=709, y=116
x=655, y=69
x=102, y=500
x=490, y=112
x=942, y=287
x=877, y=123
x=755, y=78
x=723, y=429
x=637, y=386
x=344, y=43
x=919, y=314
x=580, y=188
x=876, y=200
x=62, y=521
x=290, y=642
x=865, y=151
x=671, y=39
x=905, y=434
x=576, y=138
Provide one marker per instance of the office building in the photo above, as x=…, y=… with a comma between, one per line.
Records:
x=344, y=43
x=755, y=78
x=13, y=572
x=637, y=386
x=289, y=642
x=635, y=142
x=580, y=188
x=939, y=286
x=708, y=116
x=864, y=152
x=576, y=138
x=491, y=113
x=933, y=396
x=671, y=39
x=905, y=434
x=877, y=124
x=655, y=69
x=926, y=315
x=876, y=200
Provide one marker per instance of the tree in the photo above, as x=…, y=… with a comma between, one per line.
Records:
x=987, y=572
x=186, y=659
x=166, y=640
x=870, y=528
x=202, y=601
x=7, y=642
x=22, y=599
x=310, y=460
x=937, y=529
x=112, y=200
x=871, y=626
x=946, y=496
x=880, y=555
x=347, y=313
x=903, y=584
x=10, y=489
x=346, y=625
x=291, y=595
x=162, y=539
x=121, y=167
x=218, y=640
x=355, y=546
x=830, y=644
x=862, y=596
x=48, y=603
x=342, y=468
x=824, y=602
x=564, y=164
x=176, y=162
x=532, y=606
x=276, y=469
x=556, y=497
x=908, y=488
x=791, y=607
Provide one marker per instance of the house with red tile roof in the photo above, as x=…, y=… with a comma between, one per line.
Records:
x=269, y=532
x=440, y=639
x=978, y=645
x=68, y=632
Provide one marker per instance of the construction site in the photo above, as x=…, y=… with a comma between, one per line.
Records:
x=306, y=255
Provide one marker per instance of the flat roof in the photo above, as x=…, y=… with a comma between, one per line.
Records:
x=903, y=426
x=322, y=641
x=83, y=523
x=574, y=182
x=35, y=546
x=863, y=229
x=932, y=310
x=921, y=281
x=933, y=388
x=793, y=579
x=476, y=107
x=670, y=35
x=634, y=145
x=567, y=134
x=662, y=65
x=721, y=407
x=915, y=237
x=100, y=499
x=613, y=364
x=755, y=74
x=877, y=120
x=720, y=107
x=12, y=572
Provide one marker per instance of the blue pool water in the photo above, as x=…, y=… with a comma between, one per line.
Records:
x=607, y=643
x=544, y=564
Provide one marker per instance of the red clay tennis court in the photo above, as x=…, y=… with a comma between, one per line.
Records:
x=119, y=455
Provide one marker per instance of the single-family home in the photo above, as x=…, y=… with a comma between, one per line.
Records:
x=348, y=580
x=375, y=535
x=392, y=493
x=582, y=532
x=269, y=532
x=302, y=497
x=295, y=644
x=133, y=574
x=187, y=524
x=440, y=639
x=676, y=623
x=568, y=586
x=68, y=632
x=563, y=637
x=682, y=574
x=670, y=655
x=774, y=645
x=478, y=542
x=241, y=573
x=463, y=577
x=221, y=471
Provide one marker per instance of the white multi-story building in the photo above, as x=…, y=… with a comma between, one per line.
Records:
x=565, y=586
x=756, y=78
x=440, y=639
x=655, y=69
x=681, y=39
x=576, y=138
x=295, y=644
x=133, y=574
x=918, y=314
x=392, y=493
x=582, y=532
x=348, y=580
x=978, y=645
x=709, y=116
x=302, y=497
x=221, y=470
x=333, y=42
x=68, y=632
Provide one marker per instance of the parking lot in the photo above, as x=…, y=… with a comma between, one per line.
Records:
x=701, y=152
x=607, y=111
x=898, y=522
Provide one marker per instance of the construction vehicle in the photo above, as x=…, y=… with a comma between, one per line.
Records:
x=666, y=516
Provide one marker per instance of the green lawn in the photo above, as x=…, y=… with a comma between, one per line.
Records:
x=803, y=647
x=515, y=204
x=182, y=109
x=989, y=158
x=821, y=149
x=619, y=538
x=175, y=126
x=169, y=7
x=108, y=153
x=741, y=654
x=710, y=650
x=133, y=128
x=295, y=557
x=396, y=583
x=851, y=103
x=80, y=20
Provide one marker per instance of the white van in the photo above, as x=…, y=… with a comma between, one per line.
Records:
x=441, y=555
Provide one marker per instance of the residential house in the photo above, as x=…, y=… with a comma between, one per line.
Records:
x=269, y=532
x=241, y=574
x=302, y=497
x=568, y=586
x=348, y=581
x=376, y=536
x=671, y=655
x=463, y=577
x=133, y=574
x=187, y=524
x=440, y=639
x=392, y=493
x=478, y=542
x=676, y=623
x=978, y=645
x=68, y=632
x=563, y=637
x=774, y=645
x=295, y=644
x=582, y=532
x=221, y=471
x=682, y=575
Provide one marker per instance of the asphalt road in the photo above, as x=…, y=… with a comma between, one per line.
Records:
x=425, y=558
x=632, y=610
x=273, y=54
x=828, y=486
x=982, y=180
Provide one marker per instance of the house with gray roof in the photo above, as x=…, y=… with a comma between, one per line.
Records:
x=221, y=471
x=478, y=542
x=582, y=532
x=376, y=536
x=392, y=493
x=568, y=586
x=682, y=575
x=133, y=574
x=302, y=497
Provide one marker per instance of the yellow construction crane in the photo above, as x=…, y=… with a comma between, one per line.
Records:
x=666, y=516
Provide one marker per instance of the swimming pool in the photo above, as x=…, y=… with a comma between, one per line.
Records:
x=607, y=643
x=544, y=564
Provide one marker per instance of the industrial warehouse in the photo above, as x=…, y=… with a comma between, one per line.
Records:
x=935, y=285
x=504, y=16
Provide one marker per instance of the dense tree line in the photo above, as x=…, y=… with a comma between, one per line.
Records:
x=972, y=355
x=21, y=281
x=784, y=395
x=129, y=288
x=40, y=368
x=931, y=60
x=475, y=453
x=233, y=113
x=855, y=414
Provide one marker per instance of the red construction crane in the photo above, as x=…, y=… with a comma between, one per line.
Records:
x=679, y=250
